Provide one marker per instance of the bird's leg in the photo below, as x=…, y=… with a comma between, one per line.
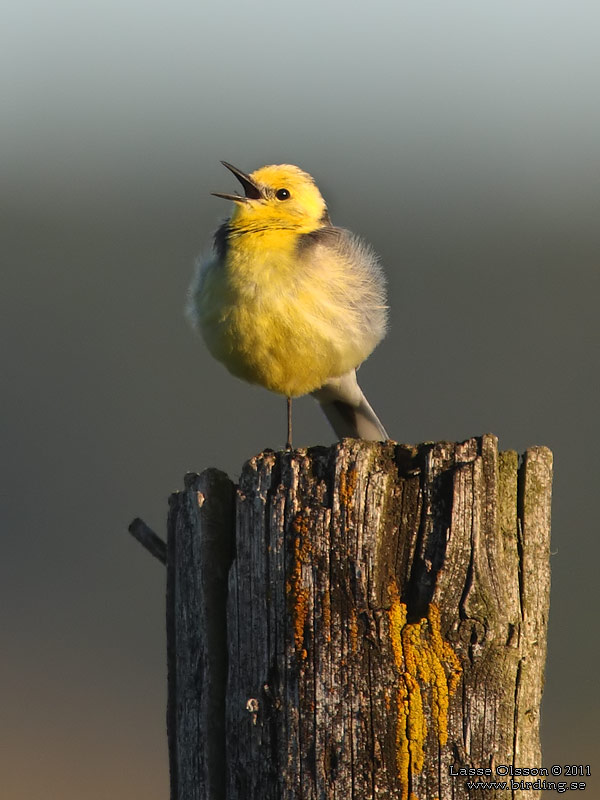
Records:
x=288, y=444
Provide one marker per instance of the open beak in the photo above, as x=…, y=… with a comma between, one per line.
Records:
x=251, y=190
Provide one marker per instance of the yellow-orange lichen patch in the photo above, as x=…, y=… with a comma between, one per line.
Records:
x=327, y=614
x=295, y=588
x=353, y=630
x=428, y=673
x=347, y=488
x=445, y=671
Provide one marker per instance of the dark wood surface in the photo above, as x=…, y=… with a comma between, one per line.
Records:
x=386, y=622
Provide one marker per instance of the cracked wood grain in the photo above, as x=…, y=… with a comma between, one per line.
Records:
x=199, y=554
x=386, y=620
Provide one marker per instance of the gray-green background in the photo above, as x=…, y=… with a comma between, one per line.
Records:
x=462, y=139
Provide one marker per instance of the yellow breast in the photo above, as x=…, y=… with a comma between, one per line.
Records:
x=277, y=321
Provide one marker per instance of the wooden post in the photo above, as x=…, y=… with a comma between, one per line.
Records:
x=381, y=630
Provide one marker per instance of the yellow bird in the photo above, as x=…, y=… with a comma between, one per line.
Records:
x=288, y=301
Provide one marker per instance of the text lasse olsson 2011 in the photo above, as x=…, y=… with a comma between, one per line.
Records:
x=508, y=769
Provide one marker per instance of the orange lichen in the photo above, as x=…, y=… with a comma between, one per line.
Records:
x=347, y=488
x=294, y=586
x=442, y=659
x=422, y=659
x=387, y=700
x=353, y=630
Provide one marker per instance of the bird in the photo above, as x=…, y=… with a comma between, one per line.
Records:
x=290, y=302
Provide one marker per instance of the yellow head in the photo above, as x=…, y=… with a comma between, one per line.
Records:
x=277, y=197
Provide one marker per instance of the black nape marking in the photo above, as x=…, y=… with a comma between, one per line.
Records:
x=325, y=235
x=221, y=239
x=325, y=218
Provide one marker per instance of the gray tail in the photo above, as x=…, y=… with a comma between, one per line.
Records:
x=348, y=410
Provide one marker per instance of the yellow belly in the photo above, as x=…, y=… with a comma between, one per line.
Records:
x=272, y=325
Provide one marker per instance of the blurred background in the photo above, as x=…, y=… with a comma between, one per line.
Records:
x=462, y=140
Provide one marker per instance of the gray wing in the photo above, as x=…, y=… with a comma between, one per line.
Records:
x=364, y=277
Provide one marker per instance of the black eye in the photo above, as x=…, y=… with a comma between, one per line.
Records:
x=282, y=194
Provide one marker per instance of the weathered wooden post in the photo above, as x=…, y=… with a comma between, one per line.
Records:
x=366, y=621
